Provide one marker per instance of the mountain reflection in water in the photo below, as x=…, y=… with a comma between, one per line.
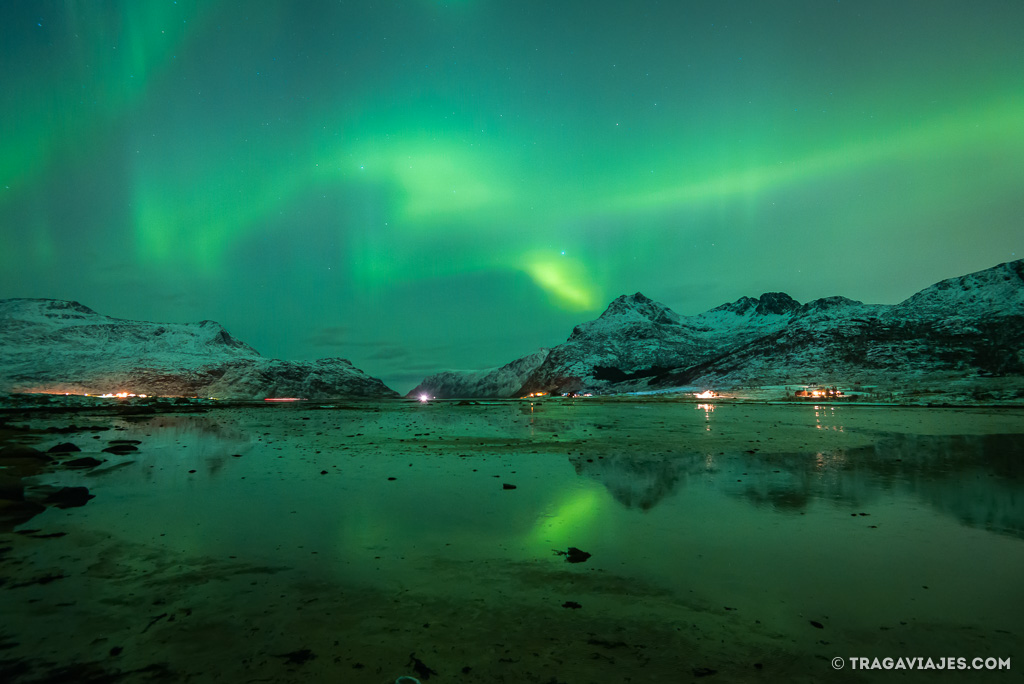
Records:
x=978, y=479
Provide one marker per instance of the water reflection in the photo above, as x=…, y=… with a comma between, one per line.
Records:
x=199, y=442
x=825, y=418
x=708, y=409
x=978, y=479
x=638, y=482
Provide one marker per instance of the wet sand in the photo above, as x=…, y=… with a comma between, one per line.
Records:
x=729, y=542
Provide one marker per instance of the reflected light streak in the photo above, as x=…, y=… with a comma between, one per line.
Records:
x=575, y=511
x=708, y=409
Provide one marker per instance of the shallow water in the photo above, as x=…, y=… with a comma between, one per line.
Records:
x=718, y=533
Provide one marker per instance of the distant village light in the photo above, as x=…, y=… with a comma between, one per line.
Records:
x=818, y=392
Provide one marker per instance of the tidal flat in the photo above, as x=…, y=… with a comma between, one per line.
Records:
x=361, y=542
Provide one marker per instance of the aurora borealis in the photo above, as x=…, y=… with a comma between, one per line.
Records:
x=427, y=185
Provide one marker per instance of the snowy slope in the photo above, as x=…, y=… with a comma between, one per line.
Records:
x=491, y=382
x=49, y=345
x=997, y=291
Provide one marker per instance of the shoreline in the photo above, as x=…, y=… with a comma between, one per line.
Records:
x=46, y=403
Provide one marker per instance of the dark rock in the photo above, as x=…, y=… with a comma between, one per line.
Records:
x=74, y=428
x=121, y=449
x=300, y=657
x=69, y=497
x=84, y=462
x=571, y=604
x=22, y=452
x=43, y=579
x=703, y=671
x=15, y=513
x=605, y=643
x=63, y=448
x=576, y=555
x=817, y=624
x=573, y=555
x=508, y=486
x=11, y=488
x=420, y=668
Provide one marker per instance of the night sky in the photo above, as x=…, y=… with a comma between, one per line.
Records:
x=427, y=185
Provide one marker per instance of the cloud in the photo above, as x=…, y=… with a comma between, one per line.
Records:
x=337, y=337
x=333, y=336
x=389, y=352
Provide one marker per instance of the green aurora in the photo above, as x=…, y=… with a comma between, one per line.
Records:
x=425, y=185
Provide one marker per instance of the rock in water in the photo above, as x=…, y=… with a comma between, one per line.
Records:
x=70, y=497
x=84, y=462
x=573, y=555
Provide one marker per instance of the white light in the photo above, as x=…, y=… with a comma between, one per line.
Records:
x=424, y=398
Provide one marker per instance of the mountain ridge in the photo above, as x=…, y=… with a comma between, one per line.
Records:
x=61, y=346
x=963, y=327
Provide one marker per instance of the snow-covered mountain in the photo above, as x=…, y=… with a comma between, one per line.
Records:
x=49, y=345
x=961, y=328
x=491, y=382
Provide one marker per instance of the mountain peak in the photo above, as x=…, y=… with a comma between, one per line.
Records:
x=633, y=300
x=776, y=303
x=34, y=309
x=829, y=303
x=638, y=304
x=739, y=307
x=768, y=303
